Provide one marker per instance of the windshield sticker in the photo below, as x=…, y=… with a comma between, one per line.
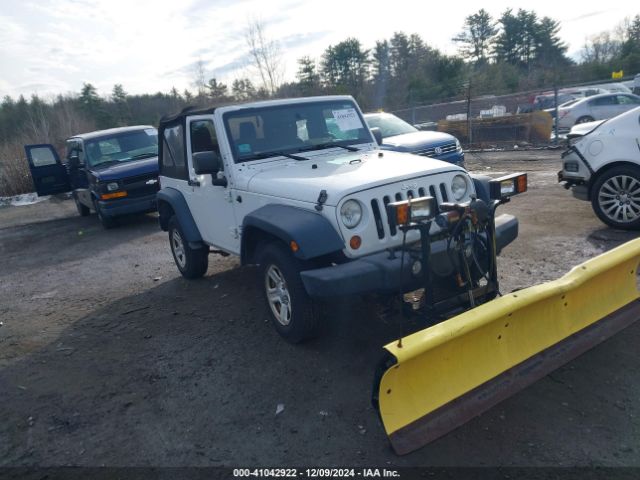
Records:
x=152, y=132
x=347, y=119
x=244, y=148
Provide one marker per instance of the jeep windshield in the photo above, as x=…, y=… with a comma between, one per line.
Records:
x=284, y=130
x=121, y=147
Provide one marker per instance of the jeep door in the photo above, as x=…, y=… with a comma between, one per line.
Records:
x=49, y=174
x=210, y=204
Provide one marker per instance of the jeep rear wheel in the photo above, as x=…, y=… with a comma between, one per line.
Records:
x=191, y=262
x=293, y=313
x=615, y=197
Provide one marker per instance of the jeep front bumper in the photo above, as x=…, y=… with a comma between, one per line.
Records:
x=380, y=272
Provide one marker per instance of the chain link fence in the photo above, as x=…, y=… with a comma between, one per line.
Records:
x=503, y=121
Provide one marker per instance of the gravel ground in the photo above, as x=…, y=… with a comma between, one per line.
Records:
x=109, y=357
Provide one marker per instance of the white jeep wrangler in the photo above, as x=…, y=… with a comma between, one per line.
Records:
x=299, y=187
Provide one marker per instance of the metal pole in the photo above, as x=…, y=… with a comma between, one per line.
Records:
x=469, y=126
x=555, y=123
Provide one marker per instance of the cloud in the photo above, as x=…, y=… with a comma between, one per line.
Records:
x=301, y=39
x=585, y=15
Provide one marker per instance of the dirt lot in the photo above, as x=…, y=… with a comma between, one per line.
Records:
x=109, y=357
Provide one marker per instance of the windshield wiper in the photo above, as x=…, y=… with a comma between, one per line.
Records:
x=259, y=156
x=144, y=155
x=324, y=146
x=105, y=163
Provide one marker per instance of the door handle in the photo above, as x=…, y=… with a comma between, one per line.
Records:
x=193, y=183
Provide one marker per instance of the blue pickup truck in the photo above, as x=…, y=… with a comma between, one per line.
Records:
x=113, y=172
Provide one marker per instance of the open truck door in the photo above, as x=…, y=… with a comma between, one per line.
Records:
x=48, y=173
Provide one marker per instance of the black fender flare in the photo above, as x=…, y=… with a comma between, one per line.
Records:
x=181, y=210
x=312, y=232
x=481, y=184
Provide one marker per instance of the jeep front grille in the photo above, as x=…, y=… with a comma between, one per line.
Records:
x=379, y=205
x=431, y=152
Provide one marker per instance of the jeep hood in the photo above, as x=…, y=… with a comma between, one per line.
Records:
x=132, y=168
x=342, y=175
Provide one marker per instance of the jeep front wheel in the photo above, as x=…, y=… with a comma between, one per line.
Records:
x=191, y=262
x=292, y=311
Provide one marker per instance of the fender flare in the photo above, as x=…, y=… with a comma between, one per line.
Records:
x=312, y=232
x=481, y=184
x=181, y=210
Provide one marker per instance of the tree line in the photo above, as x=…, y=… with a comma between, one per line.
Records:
x=515, y=52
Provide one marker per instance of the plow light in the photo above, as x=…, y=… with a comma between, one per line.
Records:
x=508, y=186
x=414, y=210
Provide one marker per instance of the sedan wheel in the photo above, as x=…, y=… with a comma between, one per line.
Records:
x=616, y=197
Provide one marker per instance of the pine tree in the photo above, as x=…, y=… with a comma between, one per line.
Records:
x=477, y=36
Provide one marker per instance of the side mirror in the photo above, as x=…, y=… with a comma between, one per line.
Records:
x=74, y=161
x=206, y=162
x=377, y=134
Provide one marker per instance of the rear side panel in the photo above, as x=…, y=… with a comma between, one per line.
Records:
x=443, y=376
x=48, y=173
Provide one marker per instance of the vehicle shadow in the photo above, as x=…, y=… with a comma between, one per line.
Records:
x=610, y=237
x=72, y=238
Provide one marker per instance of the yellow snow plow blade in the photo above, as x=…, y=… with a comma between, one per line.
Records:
x=447, y=374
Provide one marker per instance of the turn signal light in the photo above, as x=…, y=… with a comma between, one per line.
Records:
x=508, y=186
x=355, y=242
x=415, y=210
x=109, y=196
x=294, y=246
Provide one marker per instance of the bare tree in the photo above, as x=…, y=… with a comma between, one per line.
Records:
x=199, y=80
x=266, y=56
x=601, y=48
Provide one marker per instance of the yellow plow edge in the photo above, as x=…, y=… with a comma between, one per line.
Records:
x=447, y=374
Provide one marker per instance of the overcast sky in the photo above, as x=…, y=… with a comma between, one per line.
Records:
x=53, y=46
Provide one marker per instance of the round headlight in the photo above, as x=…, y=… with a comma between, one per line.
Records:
x=351, y=213
x=459, y=187
x=112, y=186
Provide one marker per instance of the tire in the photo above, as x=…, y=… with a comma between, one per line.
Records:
x=106, y=221
x=293, y=313
x=191, y=262
x=584, y=119
x=83, y=210
x=615, y=197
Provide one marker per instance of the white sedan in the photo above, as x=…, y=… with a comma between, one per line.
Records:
x=603, y=167
x=596, y=107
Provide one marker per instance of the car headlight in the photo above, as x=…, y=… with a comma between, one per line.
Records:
x=458, y=146
x=351, y=213
x=459, y=187
x=112, y=187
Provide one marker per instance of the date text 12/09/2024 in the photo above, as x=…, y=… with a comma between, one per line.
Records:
x=315, y=473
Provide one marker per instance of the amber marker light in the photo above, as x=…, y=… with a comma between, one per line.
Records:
x=355, y=242
x=294, y=246
x=109, y=196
